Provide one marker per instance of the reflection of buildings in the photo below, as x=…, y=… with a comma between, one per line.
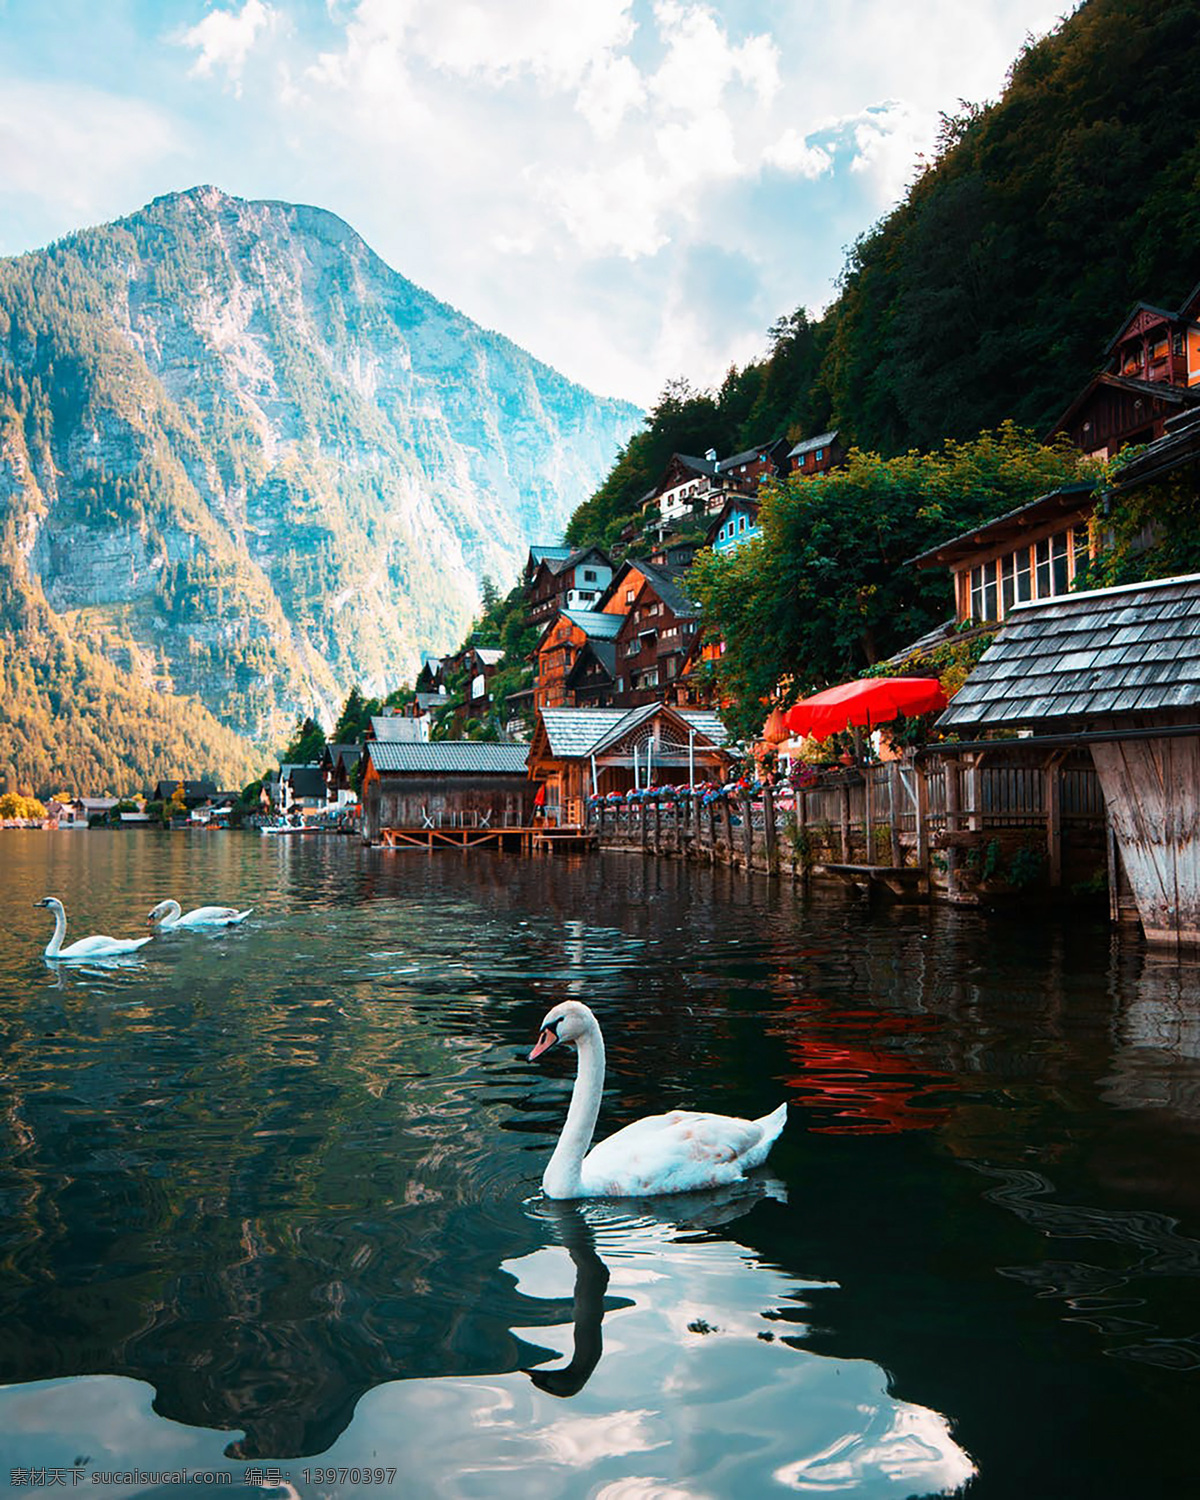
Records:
x=1157, y=1061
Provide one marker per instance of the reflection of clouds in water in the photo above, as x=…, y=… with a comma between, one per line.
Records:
x=907, y=1445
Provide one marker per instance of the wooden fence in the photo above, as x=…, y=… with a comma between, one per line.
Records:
x=960, y=829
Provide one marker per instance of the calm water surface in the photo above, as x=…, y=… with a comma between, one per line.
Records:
x=269, y=1196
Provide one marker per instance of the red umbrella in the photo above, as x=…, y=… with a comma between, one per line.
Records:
x=869, y=701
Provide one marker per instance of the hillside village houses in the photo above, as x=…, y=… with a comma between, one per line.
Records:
x=619, y=662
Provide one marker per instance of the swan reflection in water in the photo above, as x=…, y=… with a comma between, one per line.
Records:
x=576, y=1221
x=845, y=1434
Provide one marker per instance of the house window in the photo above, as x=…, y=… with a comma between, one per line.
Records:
x=983, y=592
x=1042, y=552
x=629, y=596
x=1058, y=562
x=589, y=575
x=649, y=678
x=1008, y=582
x=1024, y=577
x=818, y=455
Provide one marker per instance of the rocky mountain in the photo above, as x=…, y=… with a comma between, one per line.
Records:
x=246, y=464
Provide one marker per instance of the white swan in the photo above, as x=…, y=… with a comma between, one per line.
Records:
x=96, y=946
x=168, y=915
x=672, y=1153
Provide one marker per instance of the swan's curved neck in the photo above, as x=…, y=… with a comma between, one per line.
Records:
x=60, y=931
x=561, y=1178
x=172, y=914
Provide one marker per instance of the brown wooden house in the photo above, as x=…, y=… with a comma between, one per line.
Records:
x=580, y=751
x=561, y=644
x=1115, y=671
x=574, y=581
x=1149, y=374
x=1033, y=552
x=817, y=455
x=655, y=638
x=467, y=783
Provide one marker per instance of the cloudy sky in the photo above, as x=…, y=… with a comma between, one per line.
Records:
x=631, y=189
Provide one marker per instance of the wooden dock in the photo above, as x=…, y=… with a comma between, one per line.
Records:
x=526, y=839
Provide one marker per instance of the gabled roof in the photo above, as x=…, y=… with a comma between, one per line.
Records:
x=576, y=732
x=1134, y=312
x=807, y=445
x=450, y=757
x=1152, y=390
x=348, y=754
x=666, y=583
x=1067, y=498
x=539, y=554
x=489, y=656
x=1102, y=654
x=595, y=624
x=305, y=781
x=603, y=652
x=395, y=727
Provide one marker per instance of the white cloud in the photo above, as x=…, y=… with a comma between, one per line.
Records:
x=225, y=39
x=77, y=148
x=792, y=154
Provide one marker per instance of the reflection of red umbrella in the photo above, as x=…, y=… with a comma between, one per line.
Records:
x=869, y=701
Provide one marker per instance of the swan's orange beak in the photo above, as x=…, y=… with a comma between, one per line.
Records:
x=546, y=1040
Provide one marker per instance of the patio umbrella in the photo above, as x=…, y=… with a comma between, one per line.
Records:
x=865, y=703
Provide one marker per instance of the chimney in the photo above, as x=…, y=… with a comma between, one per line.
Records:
x=711, y=455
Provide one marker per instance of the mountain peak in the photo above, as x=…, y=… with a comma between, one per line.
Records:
x=267, y=466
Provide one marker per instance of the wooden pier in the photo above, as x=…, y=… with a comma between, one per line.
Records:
x=524, y=839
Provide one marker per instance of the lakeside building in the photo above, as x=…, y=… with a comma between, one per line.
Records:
x=448, y=783
x=1115, y=671
x=580, y=752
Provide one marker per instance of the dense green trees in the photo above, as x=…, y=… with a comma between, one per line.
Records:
x=991, y=292
x=824, y=592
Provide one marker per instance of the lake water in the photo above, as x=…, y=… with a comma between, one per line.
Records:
x=270, y=1204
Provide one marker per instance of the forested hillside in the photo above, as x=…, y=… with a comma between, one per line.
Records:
x=245, y=464
x=991, y=292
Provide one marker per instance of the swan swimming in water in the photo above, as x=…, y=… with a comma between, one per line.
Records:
x=96, y=946
x=169, y=915
x=672, y=1153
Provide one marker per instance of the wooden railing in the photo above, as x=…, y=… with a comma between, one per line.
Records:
x=958, y=829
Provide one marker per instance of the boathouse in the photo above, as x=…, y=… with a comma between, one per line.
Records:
x=580, y=752
x=1116, y=671
x=447, y=784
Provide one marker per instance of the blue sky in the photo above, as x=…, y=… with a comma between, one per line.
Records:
x=631, y=189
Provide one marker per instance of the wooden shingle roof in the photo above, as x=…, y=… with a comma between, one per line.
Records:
x=448, y=757
x=1099, y=655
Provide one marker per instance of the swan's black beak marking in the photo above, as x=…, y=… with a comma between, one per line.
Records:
x=546, y=1039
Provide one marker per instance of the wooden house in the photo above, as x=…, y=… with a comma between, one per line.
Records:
x=736, y=522
x=575, y=581
x=1150, y=372
x=447, y=783
x=1032, y=552
x=817, y=455
x=1116, y=671
x=338, y=763
x=559, y=648
x=656, y=636
x=580, y=751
